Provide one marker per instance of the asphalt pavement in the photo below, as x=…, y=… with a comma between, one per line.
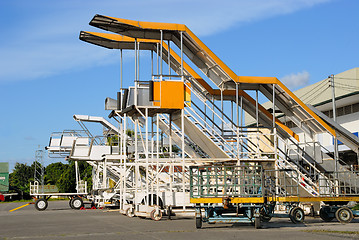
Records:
x=58, y=221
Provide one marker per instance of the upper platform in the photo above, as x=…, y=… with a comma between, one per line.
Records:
x=215, y=69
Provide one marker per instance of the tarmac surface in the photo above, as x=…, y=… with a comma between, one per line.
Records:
x=58, y=221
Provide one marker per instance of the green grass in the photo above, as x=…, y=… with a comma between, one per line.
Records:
x=332, y=231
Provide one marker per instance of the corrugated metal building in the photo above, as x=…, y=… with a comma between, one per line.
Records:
x=346, y=85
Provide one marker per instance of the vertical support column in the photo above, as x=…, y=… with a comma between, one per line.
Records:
x=161, y=52
x=96, y=174
x=158, y=157
x=222, y=124
x=169, y=59
x=232, y=114
x=158, y=53
x=77, y=176
x=135, y=95
x=157, y=137
x=104, y=174
x=237, y=122
x=146, y=154
x=242, y=154
x=124, y=136
x=170, y=138
x=336, y=151
x=119, y=101
x=138, y=61
x=212, y=113
x=182, y=56
x=183, y=161
x=273, y=106
x=151, y=152
x=274, y=132
x=121, y=69
x=257, y=122
x=152, y=64
x=122, y=184
x=137, y=168
x=171, y=162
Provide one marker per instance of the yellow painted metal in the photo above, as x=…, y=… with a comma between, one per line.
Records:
x=187, y=94
x=121, y=38
x=248, y=200
x=206, y=200
x=274, y=80
x=157, y=94
x=232, y=200
x=275, y=199
x=151, y=25
x=19, y=207
x=111, y=183
x=314, y=199
x=169, y=94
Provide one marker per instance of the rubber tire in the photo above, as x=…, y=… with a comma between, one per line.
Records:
x=257, y=223
x=155, y=217
x=344, y=215
x=70, y=203
x=77, y=203
x=198, y=222
x=41, y=204
x=265, y=218
x=130, y=213
x=296, y=215
x=324, y=216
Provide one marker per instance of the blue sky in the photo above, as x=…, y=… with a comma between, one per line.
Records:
x=47, y=74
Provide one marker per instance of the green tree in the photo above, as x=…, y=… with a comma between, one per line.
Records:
x=53, y=172
x=130, y=132
x=67, y=180
x=20, y=178
x=86, y=174
x=59, y=174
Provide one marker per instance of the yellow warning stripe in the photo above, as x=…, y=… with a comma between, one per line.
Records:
x=19, y=207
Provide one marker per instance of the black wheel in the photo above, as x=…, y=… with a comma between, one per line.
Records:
x=257, y=222
x=344, y=215
x=265, y=218
x=296, y=215
x=324, y=215
x=169, y=212
x=130, y=212
x=156, y=215
x=198, y=223
x=77, y=203
x=41, y=204
x=70, y=202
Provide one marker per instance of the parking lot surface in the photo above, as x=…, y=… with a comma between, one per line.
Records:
x=61, y=222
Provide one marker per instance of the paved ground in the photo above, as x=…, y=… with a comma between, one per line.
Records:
x=61, y=222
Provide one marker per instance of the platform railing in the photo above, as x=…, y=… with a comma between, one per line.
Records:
x=226, y=181
x=339, y=183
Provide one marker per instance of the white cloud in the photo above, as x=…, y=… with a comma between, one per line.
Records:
x=44, y=60
x=296, y=80
x=45, y=43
